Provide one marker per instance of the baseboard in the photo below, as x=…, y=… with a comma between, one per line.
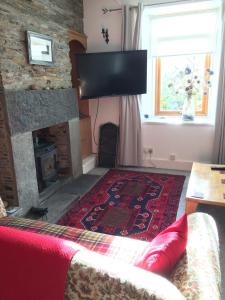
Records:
x=89, y=163
x=168, y=164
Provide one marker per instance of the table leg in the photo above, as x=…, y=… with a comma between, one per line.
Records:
x=191, y=206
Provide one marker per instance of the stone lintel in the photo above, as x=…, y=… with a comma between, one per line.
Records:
x=32, y=110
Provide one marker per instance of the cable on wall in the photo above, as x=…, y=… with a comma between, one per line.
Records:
x=96, y=116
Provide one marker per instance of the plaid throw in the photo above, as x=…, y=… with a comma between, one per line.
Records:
x=125, y=249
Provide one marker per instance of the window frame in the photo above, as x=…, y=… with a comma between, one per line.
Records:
x=205, y=98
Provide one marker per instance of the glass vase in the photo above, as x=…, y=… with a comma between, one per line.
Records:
x=188, y=111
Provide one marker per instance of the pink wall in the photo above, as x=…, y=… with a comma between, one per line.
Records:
x=187, y=142
x=94, y=20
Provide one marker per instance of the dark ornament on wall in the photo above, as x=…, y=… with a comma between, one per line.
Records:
x=105, y=35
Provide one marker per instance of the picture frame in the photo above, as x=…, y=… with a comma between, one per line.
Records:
x=40, y=49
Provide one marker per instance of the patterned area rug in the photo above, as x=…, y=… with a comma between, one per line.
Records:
x=128, y=203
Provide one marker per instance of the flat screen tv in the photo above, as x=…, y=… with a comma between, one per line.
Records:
x=112, y=73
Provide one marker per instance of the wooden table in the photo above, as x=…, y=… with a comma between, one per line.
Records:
x=205, y=186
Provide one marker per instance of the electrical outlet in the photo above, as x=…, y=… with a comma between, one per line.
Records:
x=172, y=156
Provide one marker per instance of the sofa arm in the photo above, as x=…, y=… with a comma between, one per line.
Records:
x=95, y=276
x=197, y=274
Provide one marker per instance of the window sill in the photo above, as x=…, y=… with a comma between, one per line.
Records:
x=198, y=121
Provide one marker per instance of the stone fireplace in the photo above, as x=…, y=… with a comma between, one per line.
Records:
x=28, y=116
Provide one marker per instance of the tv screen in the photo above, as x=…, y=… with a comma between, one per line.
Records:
x=112, y=73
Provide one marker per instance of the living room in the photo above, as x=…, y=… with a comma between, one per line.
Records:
x=50, y=136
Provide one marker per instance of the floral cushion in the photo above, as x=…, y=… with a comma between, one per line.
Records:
x=2, y=209
x=94, y=276
x=197, y=274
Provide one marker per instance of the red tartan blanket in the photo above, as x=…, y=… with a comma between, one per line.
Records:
x=125, y=249
x=37, y=264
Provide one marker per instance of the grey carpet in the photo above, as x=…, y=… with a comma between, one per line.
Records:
x=62, y=201
x=80, y=185
x=58, y=204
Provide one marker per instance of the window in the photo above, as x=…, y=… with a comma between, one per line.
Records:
x=182, y=42
x=172, y=82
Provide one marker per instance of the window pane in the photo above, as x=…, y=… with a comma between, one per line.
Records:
x=180, y=76
x=183, y=34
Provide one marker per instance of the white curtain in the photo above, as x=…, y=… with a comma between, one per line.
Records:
x=219, y=140
x=131, y=150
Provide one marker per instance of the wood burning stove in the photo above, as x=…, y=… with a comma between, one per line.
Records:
x=46, y=163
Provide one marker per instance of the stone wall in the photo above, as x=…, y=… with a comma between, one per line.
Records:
x=8, y=189
x=50, y=17
x=1, y=84
x=53, y=18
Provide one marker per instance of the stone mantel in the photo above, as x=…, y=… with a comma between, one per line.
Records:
x=32, y=110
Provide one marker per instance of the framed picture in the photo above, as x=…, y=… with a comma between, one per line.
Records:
x=40, y=49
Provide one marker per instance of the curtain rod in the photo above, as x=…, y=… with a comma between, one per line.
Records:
x=108, y=10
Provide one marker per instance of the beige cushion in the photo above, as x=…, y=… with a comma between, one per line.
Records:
x=197, y=274
x=2, y=209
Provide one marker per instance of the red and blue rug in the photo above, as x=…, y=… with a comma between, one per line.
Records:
x=128, y=203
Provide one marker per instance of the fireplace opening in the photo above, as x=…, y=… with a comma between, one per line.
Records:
x=52, y=158
x=46, y=163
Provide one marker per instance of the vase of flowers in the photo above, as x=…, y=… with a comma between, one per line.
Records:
x=189, y=84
